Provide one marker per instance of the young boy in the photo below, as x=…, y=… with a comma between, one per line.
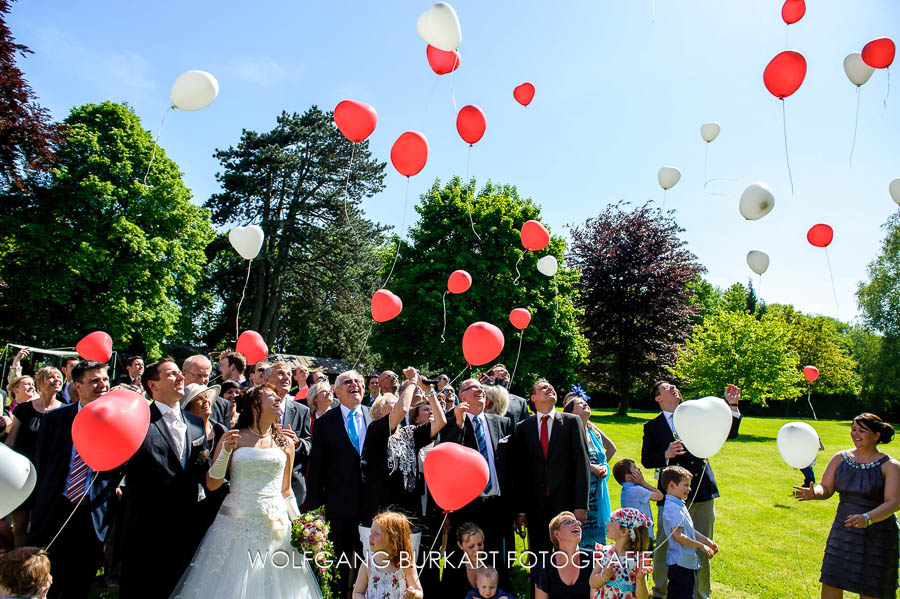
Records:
x=486, y=579
x=681, y=555
x=25, y=572
x=637, y=493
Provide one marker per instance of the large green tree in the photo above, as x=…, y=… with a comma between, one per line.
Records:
x=92, y=247
x=879, y=298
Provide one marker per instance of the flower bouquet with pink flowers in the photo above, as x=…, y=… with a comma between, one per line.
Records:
x=309, y=535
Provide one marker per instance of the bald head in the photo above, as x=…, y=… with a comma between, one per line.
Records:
x=196, y=370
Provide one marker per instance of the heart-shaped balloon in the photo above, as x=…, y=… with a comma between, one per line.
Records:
x=548, y=266
x=455, y=475
x=356, y=120
x=442, y=62
x=96, y=346
x=385, y=305
x=247, y=241
x=810, y=373
x=758, y=261
x=534, y=236
x=668, y=176
x=894, y=189
x=252, y=346
x=709, y=131
x=17, y=479
x=482, y=342
x=858, y=72
x=703, y=425
x=459, y=281
x=439, y=27
x=798, y=444
x=110, y=429
x=524, y=93
x=520, y=318
x=756, y=201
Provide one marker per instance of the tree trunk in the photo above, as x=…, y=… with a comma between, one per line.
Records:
x=624, y=404
x=268, y=327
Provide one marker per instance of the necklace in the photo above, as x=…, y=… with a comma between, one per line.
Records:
x=255, y=432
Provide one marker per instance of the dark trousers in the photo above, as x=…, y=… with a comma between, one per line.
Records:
x=345, y=536
x=809, y=476
x=539, y=533
x=681, y=582
x=75, y=555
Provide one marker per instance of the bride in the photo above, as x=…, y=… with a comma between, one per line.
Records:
x=246, y=553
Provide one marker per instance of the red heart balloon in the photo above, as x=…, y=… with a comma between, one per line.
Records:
x=482, y=342
x=110, y=429
x=455, y=475
x=534, y=236
x=385, y=305
x=520, y=318
x=793, y=11
x=442, y=62
x=409, y=153
x=356, y=120
x=97, y=346
x=784, y=74
x=459, y=281
x=879, y=54
x=811, y=373
x=252, y=346
x=524, y=94
x=820, y=235
x=471, y=124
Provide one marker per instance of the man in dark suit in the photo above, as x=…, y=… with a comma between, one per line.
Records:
x=553, y=467
x=65, y=489
x=661, y=448
x=134, y=369
x=518, y=408
x=335, y=475
x=163, y=482
x=294, y=424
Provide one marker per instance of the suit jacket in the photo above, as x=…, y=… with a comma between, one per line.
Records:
x=500, y=432
x=564, y=472
x=335, y=474
x=296, y=415
x=657, y=438
x=221, y=412
x=518, y=408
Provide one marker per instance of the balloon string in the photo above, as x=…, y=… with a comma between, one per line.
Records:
x=444, y=303
x=159, y=133
x=759, y=287
x=365, y=341
x=433, y=543
x=399, y=237
x=696, y=489
x=809, y=399
x=556, y=296
x=708, y=181
x=513, y=375
x=797, y=544
x=787, y=43
x=518, y=274
x=347, y=184
x=705, y=161
x=833, y=290
x=75, y=509
x=452, y=95
x=665, y=191
x=786, y=155
x=468, y=206
x=458, y=375
x=237, y=326
x=653, y=11
x=855, y=127
x=888, y=91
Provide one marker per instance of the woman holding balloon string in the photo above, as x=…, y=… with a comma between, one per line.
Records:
x=862, y=552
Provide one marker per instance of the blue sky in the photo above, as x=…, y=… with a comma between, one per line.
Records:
x=622, y=89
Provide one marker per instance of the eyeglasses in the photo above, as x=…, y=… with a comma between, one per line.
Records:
x=471, y=387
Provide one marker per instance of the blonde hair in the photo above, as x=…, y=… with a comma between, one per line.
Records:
x=379, y=404
x=11, y=387
x=396, y=529
x=555, y=524
x=499, y=399
x=41, y=376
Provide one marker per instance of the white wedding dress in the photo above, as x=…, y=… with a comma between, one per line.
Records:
x=246, y=553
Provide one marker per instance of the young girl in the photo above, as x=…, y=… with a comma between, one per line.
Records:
x=621, y=572
x=382, y=576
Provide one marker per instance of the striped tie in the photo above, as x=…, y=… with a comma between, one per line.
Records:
x=77, y=478
x=483, y=450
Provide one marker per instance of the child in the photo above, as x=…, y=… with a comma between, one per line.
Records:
x=390, y=569
x=487, y=579
x=681, y=554
x=637, y=493
x=25, y=572
x=622, y=567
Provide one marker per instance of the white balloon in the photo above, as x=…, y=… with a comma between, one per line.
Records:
x=757, y=201
x=858, y=72
x=17, y=478
x=194, y=90
x=703, y=425
x=709, y=131
x=758, y=261
x=668, y=176
x=439, y=27
x=246, y=240
x=548, y=266
x=894, y=188
x=798, y=444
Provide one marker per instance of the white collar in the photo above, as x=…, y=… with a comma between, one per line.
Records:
x=540, y=414
x=163, y=408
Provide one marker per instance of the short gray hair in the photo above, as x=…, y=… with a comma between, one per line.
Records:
x=195, y=359
x=347, y=374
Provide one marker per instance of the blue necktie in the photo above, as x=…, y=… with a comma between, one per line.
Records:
x=482, y=448
x=351, y=429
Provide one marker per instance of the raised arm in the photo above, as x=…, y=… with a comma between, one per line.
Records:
x=609, y=448
x=440, y=419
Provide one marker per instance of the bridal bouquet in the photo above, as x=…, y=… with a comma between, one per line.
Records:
x=309, y=535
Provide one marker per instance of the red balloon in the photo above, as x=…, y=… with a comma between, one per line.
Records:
x=253, y=346
x=455, y=475
x=459, y=281
x=524, y=94
x=784, y=75
x=820, y=235
x=482, y=342
x=409, y=153
x=385, y=305
x=470, y=123
x=520, y=318
x=534, y=236
x=793, y=11
x=356, y=120
x=442, y=62
x=97, y=346
x=110, y=429
x=810, y=372
x=879, y=54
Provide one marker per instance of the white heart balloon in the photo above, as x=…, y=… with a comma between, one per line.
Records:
x=194, y=90
x=894, y=188
x=798, y=444
x=709, y=131
x=858, y=72
x=758, y=261
x=757, y=201
x=439, y=27
x=668, y=176
x=17, y=479
x=548, y=266
x=247, y=241
x=703, y=425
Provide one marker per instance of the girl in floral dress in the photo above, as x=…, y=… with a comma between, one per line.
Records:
x=390, y=569
x=623, y=566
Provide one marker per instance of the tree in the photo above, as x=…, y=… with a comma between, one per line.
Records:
x=291, y=181
x=735, y=299
x=94, y=248
x=635, y=293
x=879, y=299
x=442, y=241
x=705, y=298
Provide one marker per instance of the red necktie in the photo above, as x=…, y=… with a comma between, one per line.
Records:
x=545, y=437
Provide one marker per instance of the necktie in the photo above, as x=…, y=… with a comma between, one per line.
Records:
x=178, y=429
x=78, y=475
x=351, y=430
x=545, y=435
x=482, y=448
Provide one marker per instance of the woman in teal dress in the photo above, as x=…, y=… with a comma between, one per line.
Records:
x=600, y=449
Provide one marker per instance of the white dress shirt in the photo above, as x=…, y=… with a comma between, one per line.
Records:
x=549, y=423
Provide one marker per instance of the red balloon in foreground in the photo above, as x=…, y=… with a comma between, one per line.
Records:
x=385, y=305
x=455, y=475
x=524, y=94
x=96, y=346
x=252, y=346
x=470, y=123
x=482, y=342
x=356, y=120
x=534, y=236
x=879, y=54
x=520, y=318
x=793, y=11
x=785, y=73
x=459, y=281
x=110, y=429
x=820, y=235
x=811, y=373
x=409, y=153
x=442, y=62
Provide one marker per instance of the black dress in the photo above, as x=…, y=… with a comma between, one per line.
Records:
x=208, y=508
x=26, y=439
x=546, y=577
x=861, y=560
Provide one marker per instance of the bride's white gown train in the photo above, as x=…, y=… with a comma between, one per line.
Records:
x=246, y=553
